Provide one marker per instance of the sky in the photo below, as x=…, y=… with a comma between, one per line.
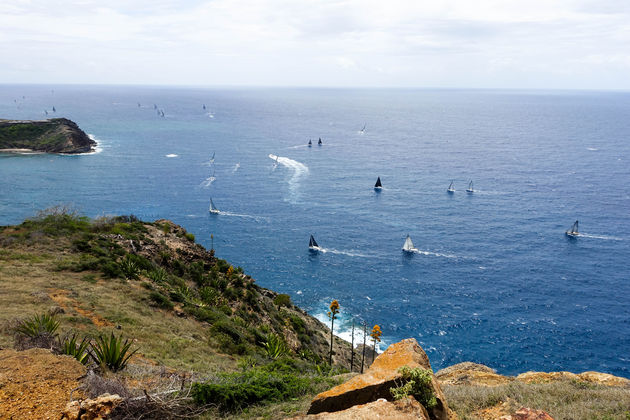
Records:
x=559, y=44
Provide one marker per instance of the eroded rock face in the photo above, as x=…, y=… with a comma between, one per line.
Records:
x=377, y=381
x=98, y=408
x=405, y=409
x=592, y=377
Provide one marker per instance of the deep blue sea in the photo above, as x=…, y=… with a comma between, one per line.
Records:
x=495, y=280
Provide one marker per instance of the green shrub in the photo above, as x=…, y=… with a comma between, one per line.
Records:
x=237, y=391
x=231, y=294
x=195, y=270
x=158, y=275
x=160, y=300
x=275, y=346
x=78, y=350
x=209, y=296
x=111, y=270
x=112, y=353
x=129, y=268
x=208, y=315
x=298, y=324
x=282, y=300
x=416, y=382
x=90, y=278
x=190, y=237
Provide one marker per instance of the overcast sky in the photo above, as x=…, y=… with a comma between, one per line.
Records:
x=580, y=44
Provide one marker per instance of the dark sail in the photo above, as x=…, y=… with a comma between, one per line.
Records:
x=378, y=183
x=312, y=242
x=320, y=141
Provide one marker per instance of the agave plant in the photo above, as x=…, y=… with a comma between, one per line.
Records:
x=158, y=275
x=129, y=268
x=112, y=352
x=78, y=350
x=275, y=346
x=37, y=326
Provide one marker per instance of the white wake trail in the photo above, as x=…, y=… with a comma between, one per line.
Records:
x=299, y=171
x=208, y=182
x=341, y=252
x=609, y=238
x=245, y=216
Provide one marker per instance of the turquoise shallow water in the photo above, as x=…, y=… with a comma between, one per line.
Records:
x=496, y=281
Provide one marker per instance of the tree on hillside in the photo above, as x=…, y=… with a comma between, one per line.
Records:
x=332, y=314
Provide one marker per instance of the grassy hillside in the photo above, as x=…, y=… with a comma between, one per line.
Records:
x=186, y=311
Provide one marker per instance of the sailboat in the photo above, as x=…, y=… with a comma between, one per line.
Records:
x=470, y=187
x=363, y=129
x=319, y=143
x=574, y=230
x=310, y=143
x=450, y=188
x=312, y=245
x=212, y=208
x=408, y=245
x=204, y=106
x=378, y=186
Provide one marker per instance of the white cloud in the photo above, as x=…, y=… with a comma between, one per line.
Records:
x=493, y=43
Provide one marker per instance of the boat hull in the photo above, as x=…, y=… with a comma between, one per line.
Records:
x=450, y=191
x=214, y=211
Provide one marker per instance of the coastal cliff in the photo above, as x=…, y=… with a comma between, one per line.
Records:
x=210, y=342
x=56, y=135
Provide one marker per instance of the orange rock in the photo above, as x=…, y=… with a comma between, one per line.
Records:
x=405, y=409
x=379, y=378
x=468, y=373
x=98, y=408
x=604, y=379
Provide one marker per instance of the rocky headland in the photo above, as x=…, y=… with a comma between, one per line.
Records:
x=56, y=135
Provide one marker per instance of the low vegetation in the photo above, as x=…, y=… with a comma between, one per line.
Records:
x=561, y=399
x=416, y=382
x=195, y=315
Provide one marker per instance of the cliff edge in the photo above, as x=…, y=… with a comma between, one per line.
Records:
x=56, y=135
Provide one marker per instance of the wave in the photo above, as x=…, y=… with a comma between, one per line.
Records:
x=238, y=165
x=592, y=149
x=609, y=238
x=343, y=330
x=435, y=254
x=208, y=181
x=171, y=155
x=299, y=171
x=341, y=252
x=245, y=216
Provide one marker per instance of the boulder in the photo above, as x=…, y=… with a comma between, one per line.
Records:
x=604, y=379
x=468, y=373
x=98, y=408
x=376, y=382
x=404, y=409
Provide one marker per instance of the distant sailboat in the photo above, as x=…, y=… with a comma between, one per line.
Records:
x=408, y=245
x=204, y=106
x=450, y=188
x=574, y=230
x=470, y=187
x=212, y=208
x=54, y=110
x=312, y=245
x=319, y=143
x=363, y=129
x=310, y=143
x=212, y=158
x=378, y=185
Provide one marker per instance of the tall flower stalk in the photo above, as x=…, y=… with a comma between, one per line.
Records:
x=332, y=314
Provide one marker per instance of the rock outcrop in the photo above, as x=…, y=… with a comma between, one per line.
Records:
x=36, y=384
x=468, y=373
x=379, y=379
x=404, y=409
x=57, y=135
x=98, y=408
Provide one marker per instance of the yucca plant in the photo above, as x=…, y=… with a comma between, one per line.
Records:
x=158, y=275
x=78, y=350
x=112, y=352
x=275, y=346
x=38, y=326
x=129, y=268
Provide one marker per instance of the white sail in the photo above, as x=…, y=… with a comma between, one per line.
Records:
x=408, y=245
x=470, y=187
x=213, y=208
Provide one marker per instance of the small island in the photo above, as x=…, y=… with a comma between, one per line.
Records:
x=56, y=135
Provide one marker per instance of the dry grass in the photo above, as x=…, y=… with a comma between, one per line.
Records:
x=30, y=285
x=570, y=400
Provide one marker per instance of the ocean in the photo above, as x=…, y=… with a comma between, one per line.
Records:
x=495, y=279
